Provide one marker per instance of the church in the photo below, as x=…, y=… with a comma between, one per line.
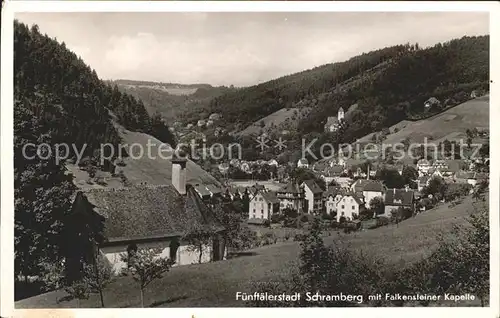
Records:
x=333, y=123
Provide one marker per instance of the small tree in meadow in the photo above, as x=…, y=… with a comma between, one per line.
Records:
x=97, y=276
x=198, y=238
x=78, y=290
x=145, y=266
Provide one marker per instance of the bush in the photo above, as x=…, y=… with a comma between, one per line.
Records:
x=276, y=218
x=383, y=220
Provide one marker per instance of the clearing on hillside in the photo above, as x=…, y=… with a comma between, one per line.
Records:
x=285, y=118
x=450, y=124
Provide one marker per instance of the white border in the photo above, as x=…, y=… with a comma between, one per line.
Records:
x=7, y=192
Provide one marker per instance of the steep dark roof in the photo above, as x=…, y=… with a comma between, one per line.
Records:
x=290, y=188
x=313, y=186
x=332, y=191
x=374, y=186
x=270, y=197
x=150, y=211
x=332, y=120
x=355, y=196
x=401, y=197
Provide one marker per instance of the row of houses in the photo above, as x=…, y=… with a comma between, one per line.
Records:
x=347, y=202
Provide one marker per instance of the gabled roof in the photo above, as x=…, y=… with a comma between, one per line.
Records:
x=332, y=191
x=269, y=197
x=290, y=188
x=374, y=186
x=313, y=186
x=399, y=197
x=149, y=211
x=354, y=196
x=332, y=120
x=303, y=161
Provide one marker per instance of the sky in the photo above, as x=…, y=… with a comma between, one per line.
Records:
x=240, y=49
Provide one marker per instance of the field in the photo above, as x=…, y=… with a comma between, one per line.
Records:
x=275, y=120
x=152, y=169
x=450, y=124
x=271, y=185
x=215, y=284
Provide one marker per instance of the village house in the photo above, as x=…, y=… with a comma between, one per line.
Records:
x=263, y=205
x=349, y=205
x=331, y=198
x=330, y=174
x=423, y=182
x=303, y=163
x=291, y=196
x=201, y=123
x=143, y=216
x=313, y=196
x=333, y=123
x=396, y=198
x=471, y=178
x=423, y=166
x=273, y=162
x=214, y=116
x=431, y=103
x=368, y=189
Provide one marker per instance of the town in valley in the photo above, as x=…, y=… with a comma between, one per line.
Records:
x=333, y=173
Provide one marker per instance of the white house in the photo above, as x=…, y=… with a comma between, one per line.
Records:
x=263, y=205
x=146, y=216
x=423, y=166
x=331, y=197
x=273, y=162
x=313, y=196
x=349, y=206
x=291, y=196
x=303, y=163
x=368, y=189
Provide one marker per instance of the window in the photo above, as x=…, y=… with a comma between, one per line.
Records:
x=253, y=211
x=342, y=207
x=353, y=207
x=254, y=216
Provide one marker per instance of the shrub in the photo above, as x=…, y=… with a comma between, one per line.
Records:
x=276, y=218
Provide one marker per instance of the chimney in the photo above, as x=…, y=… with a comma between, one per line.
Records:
x=179, y=172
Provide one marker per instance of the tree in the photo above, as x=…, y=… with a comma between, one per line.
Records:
x=377, y=205
x=97, y=276
x=78, y=290
x=42, y=192
x=198, y=237
x=410, y=174
x=461, y=262
x=145, y=266
x=436, y=188
x=391, y=178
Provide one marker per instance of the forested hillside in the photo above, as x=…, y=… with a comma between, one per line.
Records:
x=389, y=85
x=58, y=100
x=174, y=102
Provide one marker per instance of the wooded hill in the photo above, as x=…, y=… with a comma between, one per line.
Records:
x=389, y=85
x=59, y=99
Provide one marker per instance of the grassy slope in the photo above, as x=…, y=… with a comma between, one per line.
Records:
x=450, y=124
x=215, y=284
x=274, y=120
x=152, y=170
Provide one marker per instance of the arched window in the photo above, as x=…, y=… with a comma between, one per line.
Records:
x=174, y=246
